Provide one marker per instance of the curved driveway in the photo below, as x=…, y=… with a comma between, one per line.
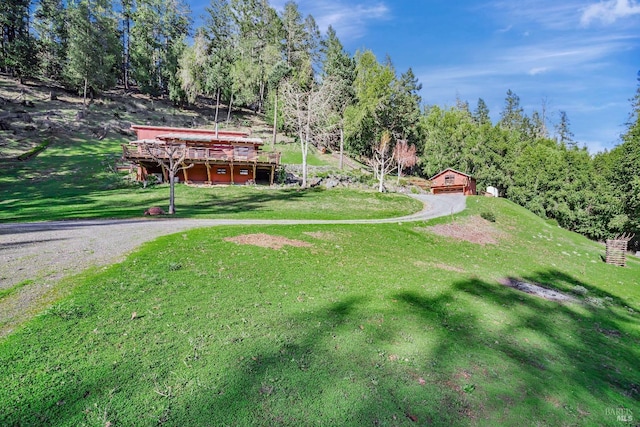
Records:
x=47, y=251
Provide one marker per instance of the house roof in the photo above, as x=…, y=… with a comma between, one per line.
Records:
x=189, y=130
x=449, y=170
x=192, y=137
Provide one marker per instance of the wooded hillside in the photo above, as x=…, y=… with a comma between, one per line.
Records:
x=246, y=53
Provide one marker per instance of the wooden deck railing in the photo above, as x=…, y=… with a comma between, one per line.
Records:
x=141, y=151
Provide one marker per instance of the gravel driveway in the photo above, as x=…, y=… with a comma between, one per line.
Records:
x=45, y=252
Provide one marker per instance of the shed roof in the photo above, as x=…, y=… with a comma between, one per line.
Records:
x=450, y=170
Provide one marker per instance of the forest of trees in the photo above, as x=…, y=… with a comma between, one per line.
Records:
x=304, y=82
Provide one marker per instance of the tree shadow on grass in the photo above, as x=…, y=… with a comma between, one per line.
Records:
x=563, y=360
x=477, y=354
x=255, y=201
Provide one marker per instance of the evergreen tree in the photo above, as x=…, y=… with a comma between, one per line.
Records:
x=563, y=132
x=512, y=116
x=18, y=48
x=258, y=51
x=157, y=41
x=481, y=113
x=126, y=13
x=93, y=52
x=301, y=43
x=50, y=25
x=340, y=67
x=626, y=169
x=404, y=106
x=372, y=86
x=222, y=35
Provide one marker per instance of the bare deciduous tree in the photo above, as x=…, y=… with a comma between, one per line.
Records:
x=171, y=158
x=381, y=162
x=309, y=113
x=405, y=156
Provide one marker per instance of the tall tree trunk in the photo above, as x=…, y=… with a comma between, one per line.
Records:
x=261, y=98
x=172, y=206
x=275, y=120
x=381, y=176
x=126, y=46
x=305, y=145
x=84, y=97
x=341, y=148
x=217, y=106
x=399, y=171
x=229, y=110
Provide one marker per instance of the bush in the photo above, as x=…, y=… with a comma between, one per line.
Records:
x=489, y=216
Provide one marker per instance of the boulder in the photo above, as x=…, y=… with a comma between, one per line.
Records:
x=153, y=211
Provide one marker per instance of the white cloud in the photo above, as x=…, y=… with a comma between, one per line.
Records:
x=538, y=70
x=546, y=13
x=351, y=21
x=609, y=11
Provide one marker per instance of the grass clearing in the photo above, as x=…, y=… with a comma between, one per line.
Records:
x=384, y=324
x=291, y=155
x=75, y=179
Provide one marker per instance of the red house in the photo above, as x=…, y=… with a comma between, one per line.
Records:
x=218, y=157
x=451, y=181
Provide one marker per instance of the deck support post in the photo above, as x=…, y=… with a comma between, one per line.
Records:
x=208, y=171
x=184, y=171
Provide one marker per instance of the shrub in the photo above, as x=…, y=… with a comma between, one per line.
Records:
x=489, y=216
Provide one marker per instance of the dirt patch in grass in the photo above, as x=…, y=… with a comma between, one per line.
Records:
x=537, y=290
x=322, y=235
x=473, y=229
x=266, y=241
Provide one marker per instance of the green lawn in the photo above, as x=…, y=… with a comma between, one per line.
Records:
x=75, y=179
x=291, y=154
x=366, y=325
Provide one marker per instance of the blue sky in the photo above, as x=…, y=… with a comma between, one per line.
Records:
x=580, y=56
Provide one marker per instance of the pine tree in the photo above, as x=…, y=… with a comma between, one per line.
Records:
x=92, y=56
x=512, y=116
x=627, y=168
x=372, y=86
x=339, y=66
x=223, y=38
x=258, y=51
x=126, y=13
x=563, y=133
x=157, y=40
x=18, y=48
x=481, y=113
x=50, y=25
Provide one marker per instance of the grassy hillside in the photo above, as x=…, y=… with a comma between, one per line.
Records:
x=75, y=176
x=395, y=324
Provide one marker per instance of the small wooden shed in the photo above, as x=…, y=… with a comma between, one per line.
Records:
x=451, y=181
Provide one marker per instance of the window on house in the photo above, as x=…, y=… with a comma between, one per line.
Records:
x=244, y=171
x=449, y=179
x=221, y=171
